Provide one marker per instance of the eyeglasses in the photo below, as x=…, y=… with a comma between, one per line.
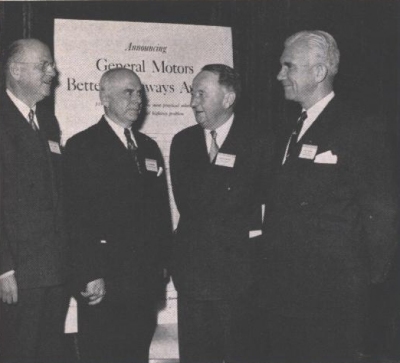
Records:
x=43, y=65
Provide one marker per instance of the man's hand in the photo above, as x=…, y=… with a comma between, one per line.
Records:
x=95, y=291
x=9, y=289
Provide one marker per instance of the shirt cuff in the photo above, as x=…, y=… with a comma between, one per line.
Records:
x=6, y=274
x=255, y=233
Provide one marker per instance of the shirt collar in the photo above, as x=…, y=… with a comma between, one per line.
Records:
x=222, y=131
x=314, y=111
x=22, y=107
x=119, y=131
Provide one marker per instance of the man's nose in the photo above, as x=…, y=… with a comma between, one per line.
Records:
x=194, y=101
x=281, y=75
x=136, y=98
x=51, y=70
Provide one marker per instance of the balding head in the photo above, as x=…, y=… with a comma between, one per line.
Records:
x=121, y=96
x=29, y=70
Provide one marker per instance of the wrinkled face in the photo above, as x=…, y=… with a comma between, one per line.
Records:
x=122, y=98
x=297, y=73
x=35, y=72
x=209, y=100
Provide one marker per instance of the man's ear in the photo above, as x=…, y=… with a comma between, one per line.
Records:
x=229, y=99
x=15, y=70
x=104, y=99
x=321, y=72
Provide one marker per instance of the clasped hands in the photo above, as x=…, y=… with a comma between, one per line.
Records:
x=95, y=291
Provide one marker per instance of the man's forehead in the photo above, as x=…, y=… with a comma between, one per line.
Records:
x=296, y=52
x=37, y=51
x=125, y=80
x=205, y=79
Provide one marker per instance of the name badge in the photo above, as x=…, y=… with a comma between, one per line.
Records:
x=54, y=147
x=227, y=160
x=151, y=165
x=308, y=151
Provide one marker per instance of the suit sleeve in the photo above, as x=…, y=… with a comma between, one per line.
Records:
x=268, y=148
x=162, y=216
x=6, y=259
x=87, y=259
x=176, y=171
x=374, y=171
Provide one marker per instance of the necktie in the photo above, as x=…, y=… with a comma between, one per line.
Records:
x=31, y=119
x=214, y=146
x=132, y=149
x=295, y=134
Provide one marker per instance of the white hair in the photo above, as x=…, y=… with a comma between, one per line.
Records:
x=322, y=44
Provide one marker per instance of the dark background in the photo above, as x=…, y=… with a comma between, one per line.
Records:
x=367, y=33
x=368, y=36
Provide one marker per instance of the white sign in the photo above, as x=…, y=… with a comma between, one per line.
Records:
x=166, y=57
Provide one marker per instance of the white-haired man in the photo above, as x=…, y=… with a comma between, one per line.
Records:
x=330, y=231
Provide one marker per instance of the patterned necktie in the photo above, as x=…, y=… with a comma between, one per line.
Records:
x=214, y=146
x=132, y=149
x=31, y=119
x=295, y=134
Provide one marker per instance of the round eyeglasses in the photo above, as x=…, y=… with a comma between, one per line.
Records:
x=44, y=66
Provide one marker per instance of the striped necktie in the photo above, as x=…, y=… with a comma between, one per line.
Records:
x=31, y=119
x=295, y=133
x=132, y=149
x=214, y=146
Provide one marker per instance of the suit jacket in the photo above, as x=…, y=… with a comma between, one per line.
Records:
x=120, y=220
x=331, y=228
x=33, y=238
x=218, y=205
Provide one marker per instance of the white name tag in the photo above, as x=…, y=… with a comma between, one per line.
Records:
x=151, y=165
x=54, y=147
x=227, y=160
x=308, y=151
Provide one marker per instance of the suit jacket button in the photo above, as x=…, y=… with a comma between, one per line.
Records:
x=303, y=204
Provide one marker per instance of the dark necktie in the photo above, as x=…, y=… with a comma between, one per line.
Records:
x=132, y=149
x=31, y=119
x=214, y=146
x=295, y=133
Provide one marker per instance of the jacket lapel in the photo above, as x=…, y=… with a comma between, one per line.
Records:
x=319, y=134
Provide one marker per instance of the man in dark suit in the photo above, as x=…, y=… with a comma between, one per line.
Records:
x=33, y=248
x=120, y=222
x=330, y=231
x=219, y=169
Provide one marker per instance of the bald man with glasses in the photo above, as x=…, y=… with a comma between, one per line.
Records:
x=33, y=244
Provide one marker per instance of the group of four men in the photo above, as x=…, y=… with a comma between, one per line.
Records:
x=289, y=233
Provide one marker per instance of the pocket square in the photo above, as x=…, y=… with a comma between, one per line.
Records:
x=160, y=171
x=326, y=158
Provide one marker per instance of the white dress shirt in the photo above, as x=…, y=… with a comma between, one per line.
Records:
x=22, y=107
x=119, y=131
x=313, y=112
x=222, y=133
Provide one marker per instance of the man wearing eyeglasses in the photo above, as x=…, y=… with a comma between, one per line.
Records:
x=33, y=246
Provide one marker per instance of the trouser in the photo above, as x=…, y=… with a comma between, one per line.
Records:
x=32, y=330
x=116, y=332
x=331, y=338
x=216, y=331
